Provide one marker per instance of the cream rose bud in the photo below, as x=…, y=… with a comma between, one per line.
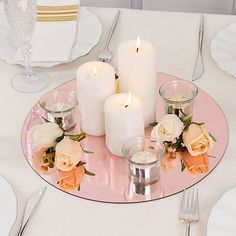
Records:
x=68, y=154
x=168, y=128
x=44, y=135
x=197, y=140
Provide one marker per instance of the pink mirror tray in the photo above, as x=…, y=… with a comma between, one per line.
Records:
x=110, y=183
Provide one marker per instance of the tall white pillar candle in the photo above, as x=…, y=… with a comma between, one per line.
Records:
x=137, y=73
x=123, y=120
x=95, y=83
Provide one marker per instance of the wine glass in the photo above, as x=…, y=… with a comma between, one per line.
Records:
x=21, y=16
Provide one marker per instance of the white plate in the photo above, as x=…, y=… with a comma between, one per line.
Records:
x=223, y=49
x=89, y=33
x=8, y=207
x=222, y=220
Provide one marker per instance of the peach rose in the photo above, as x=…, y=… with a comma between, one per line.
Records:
x=70, y=180
x=68, y=154
x=197, y=140
x=196, y=164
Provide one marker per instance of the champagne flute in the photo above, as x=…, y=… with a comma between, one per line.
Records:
x=21, y=16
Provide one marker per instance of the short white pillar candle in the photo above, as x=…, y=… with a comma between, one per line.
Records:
x=95, y=83
x=137, y=73
x=123, y=120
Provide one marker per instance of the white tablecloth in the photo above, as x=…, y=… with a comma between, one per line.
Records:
x=175, y=37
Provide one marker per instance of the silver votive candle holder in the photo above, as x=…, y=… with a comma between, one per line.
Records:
x=144, y=156
x=60, y=107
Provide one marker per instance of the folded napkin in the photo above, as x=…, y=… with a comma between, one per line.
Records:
x=55, y=32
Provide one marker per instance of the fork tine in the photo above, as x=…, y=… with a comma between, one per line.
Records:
x=196, y=206
x=182, y=202
x=189, y=209
x=193, y=201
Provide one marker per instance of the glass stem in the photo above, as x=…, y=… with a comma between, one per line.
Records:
x=26, y=50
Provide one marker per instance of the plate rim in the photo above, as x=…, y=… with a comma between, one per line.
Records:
x=212, y=49
x=56, y=63
x=216, y=204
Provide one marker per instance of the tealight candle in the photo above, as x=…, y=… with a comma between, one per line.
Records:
x=143, y=157
x=137, y=72
x=123, y=120
x=95, y=82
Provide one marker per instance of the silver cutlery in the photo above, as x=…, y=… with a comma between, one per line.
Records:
x=30, y=207
x=199, y=66
x=189, y=209
x=106, y=55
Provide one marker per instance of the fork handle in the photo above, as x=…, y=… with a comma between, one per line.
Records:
x=187, y=230
x=112, y=29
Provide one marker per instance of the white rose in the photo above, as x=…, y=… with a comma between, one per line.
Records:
x=68, y=154
x=168, y=128
x=44, y=135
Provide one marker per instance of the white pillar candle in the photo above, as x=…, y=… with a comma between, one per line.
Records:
x=137, y=73
x=123, y=120
x=95, y=82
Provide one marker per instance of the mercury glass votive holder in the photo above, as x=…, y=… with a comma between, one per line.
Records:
x=178, y=96
x=144, y=156
x=60, y=107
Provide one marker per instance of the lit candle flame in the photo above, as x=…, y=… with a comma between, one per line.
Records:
x=128, y=99
x=95, y=72
x=138, y=44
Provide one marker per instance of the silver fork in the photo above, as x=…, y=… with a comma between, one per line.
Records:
x=199, y=65
x=106, y=55
x=189, y=209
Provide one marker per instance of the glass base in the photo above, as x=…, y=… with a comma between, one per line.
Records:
x=30, y=83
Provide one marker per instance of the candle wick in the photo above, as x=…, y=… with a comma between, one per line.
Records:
x=126, y=105
x=137, y=49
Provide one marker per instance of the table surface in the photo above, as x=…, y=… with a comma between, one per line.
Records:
x=175, y=37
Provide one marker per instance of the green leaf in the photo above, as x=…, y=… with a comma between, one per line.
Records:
x=182, y=166
x=80, y=163
x=88, y=172
x=58, y=139
x=196, y=123
x=85, y=151
x=77, y=137
x=51, y=150
x=153, y=124
x=58, y=120
x=186, y=120
x=213, y=138
x=212, y=156
x=169, y=110
x=47, y=121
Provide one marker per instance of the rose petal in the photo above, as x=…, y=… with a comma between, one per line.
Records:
x=68, y=154
x=196, y=164
x=70, y=180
